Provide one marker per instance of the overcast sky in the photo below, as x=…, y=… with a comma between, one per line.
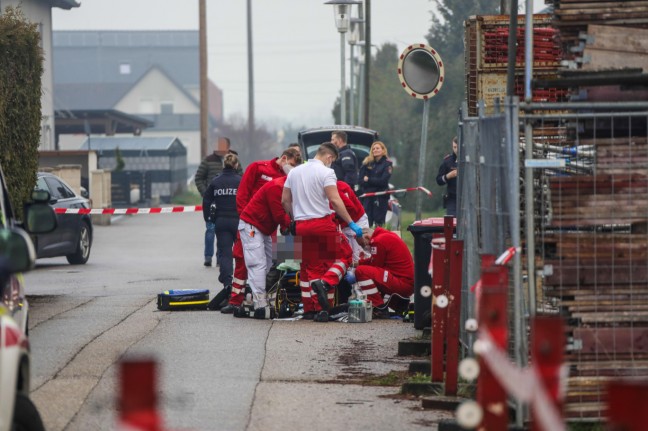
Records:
x=296, y=46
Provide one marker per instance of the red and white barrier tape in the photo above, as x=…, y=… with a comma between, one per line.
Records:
x=118, y=211
x=389, y=192
x=503, y=259
x=522, y=383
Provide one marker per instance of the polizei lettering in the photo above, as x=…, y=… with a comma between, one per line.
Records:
x=225, y=192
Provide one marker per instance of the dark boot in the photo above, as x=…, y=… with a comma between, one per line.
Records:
x=321, y=288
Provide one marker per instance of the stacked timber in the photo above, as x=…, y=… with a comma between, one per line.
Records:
x=596, y=268
x=606, y=46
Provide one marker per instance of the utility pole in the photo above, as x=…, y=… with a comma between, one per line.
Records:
x=367, y=64
x=204, y=105
x=251, y=126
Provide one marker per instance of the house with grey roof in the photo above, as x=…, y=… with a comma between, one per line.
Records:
x=153, y=75
x=157, y=166
x=40, y=12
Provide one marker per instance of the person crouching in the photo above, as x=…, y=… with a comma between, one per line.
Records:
x=389, y=271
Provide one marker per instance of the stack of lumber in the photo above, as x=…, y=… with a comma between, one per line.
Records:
x=574, y=16
x=595, y=246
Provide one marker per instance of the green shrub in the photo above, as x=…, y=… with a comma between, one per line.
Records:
x=21, y=69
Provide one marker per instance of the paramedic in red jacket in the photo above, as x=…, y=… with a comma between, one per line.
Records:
x=255, y=176
x=357, y=212
x=326, y=254
x=389, y=270
x=259, y=221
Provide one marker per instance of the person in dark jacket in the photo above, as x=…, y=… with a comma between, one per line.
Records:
x=219, y=207
x=374, y=176
x=346, y=166
x=211, y=166
x=447, y=175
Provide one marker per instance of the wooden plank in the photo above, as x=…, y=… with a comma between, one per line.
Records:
x=584, y=272
x=613, y=340
x=619, y=39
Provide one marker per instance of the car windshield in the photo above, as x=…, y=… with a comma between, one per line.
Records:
x=360, y=141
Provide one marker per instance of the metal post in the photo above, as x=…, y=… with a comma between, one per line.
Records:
x=251, y=125
x=204, y=107
x=421, y=167
x=367, y=52
x=351, y=95
x=343, y=82
x=528, y=173
x=361, y=90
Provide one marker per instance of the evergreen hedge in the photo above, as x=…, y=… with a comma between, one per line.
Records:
x=21, y=68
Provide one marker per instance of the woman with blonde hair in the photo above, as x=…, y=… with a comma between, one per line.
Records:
x=374, y=176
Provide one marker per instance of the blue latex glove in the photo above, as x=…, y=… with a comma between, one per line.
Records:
x=350, y=278
x=357, y=229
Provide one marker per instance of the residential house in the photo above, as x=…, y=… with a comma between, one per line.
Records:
x=149, y=74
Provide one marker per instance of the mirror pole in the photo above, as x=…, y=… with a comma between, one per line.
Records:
x=422, y=150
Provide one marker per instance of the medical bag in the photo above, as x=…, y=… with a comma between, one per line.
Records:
x=183, y=299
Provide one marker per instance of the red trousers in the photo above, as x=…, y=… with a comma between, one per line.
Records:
x=325, y=255
x=240, y=273
x=376, y=282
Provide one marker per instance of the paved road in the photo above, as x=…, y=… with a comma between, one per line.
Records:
x=217, y=372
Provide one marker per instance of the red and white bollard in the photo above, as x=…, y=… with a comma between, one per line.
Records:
x=138, y=402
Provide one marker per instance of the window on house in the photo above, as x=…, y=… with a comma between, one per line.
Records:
x=166, y=107
x=125, y=69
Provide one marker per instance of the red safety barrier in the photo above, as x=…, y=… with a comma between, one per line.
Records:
x=493, y=320
x=454, y=311
x=446, y=268
x=547, y=355
x=627, y=402
x=138, y=401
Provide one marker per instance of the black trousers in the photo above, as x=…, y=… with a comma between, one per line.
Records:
x=226, y=228
x=376, y=209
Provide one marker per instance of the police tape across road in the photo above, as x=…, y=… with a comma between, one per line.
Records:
x=192, y=208
x=389, y=192
x=119, y=211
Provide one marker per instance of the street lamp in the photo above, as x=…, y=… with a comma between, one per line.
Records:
x=342, y=9
x=353, y=39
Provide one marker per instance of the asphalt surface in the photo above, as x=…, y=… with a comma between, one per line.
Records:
x=216, y=372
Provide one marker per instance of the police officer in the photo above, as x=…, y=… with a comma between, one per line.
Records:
x=346, y=165
x=448, y=176
x=374, y=176
x=219, y=207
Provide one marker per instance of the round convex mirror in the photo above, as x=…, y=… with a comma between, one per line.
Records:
x=420, y=70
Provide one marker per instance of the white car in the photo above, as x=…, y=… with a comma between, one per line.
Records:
x=17, y=255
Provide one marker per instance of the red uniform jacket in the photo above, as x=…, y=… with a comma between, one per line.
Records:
x=351, y=203
x=255, y=176
x=388, y=251
x=264, y=211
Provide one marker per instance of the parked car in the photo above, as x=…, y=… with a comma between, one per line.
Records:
x=73, y=236
x=360, y=140
x=17, y=255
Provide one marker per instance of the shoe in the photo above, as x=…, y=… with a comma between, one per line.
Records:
x=264, y=313
x=207, y=262
x=228, y=309
x=221, y=299
x=321, y=288
x=322, y=316
x=308, y=315
x=378, y=313
x=241, y=312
